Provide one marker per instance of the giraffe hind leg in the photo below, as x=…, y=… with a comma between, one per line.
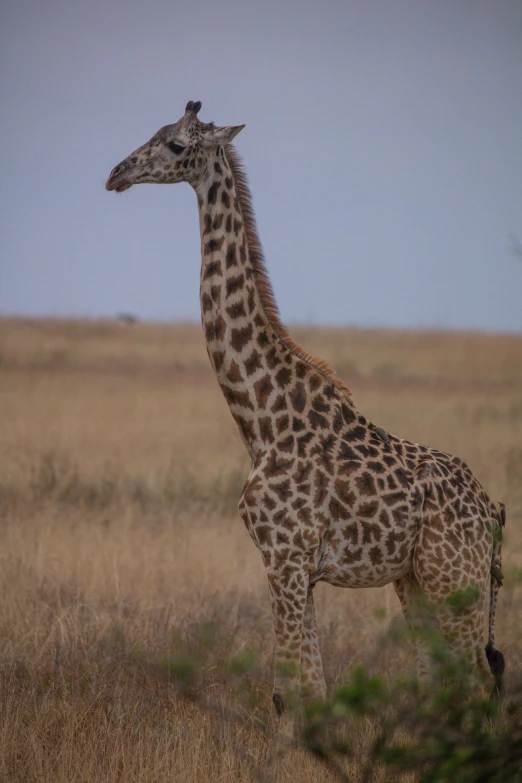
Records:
x=463, y=635
x=422, y=626
x=457, y=593
x=431, y=624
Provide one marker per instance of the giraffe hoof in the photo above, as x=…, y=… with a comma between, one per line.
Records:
x=278, y=704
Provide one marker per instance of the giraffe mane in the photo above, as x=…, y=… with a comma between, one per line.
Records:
x=264, y=286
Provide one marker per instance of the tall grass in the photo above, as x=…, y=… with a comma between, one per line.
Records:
x=131, y=595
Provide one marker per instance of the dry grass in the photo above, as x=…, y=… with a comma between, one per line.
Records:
x=121, y=549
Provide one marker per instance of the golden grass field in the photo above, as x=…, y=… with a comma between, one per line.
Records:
x=121, y=548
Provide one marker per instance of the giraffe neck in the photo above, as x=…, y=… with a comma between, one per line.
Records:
x=248, y=347
x=236, y=331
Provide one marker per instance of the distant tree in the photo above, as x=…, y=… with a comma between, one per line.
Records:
x=127, y=318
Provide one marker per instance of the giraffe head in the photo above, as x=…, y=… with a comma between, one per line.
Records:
x=176, y=153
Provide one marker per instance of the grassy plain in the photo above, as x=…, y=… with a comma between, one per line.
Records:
x=121, y=549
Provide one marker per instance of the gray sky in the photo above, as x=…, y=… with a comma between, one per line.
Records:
x=382, y=143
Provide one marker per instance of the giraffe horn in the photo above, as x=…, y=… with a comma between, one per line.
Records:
x=193, y=107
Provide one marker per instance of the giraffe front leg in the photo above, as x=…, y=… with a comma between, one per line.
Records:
x=288, y=590
x=313, y=686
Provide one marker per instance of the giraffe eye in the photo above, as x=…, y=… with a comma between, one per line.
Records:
x=177, y=149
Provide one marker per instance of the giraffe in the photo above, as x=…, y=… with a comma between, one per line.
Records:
x=330, y=497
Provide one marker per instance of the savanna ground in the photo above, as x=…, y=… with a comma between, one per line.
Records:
x=122, y=553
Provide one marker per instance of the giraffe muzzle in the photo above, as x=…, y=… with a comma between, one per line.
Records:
x=117, y=180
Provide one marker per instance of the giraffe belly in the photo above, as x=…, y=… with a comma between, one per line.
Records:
x=362, y=575
x=360, y=554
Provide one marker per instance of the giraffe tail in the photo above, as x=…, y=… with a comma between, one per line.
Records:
x=495, y=657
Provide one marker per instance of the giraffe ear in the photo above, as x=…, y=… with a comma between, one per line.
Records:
x=216, y=137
